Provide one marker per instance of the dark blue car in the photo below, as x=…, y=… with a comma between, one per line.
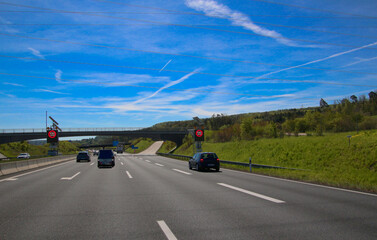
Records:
x=106, y=158
x=204, y=160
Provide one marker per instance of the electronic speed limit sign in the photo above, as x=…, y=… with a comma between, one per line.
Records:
x=52, y=136
x=199, y=135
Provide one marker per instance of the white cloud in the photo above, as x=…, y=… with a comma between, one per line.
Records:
x=49, y=91
x=215, y=9
x=120, y=79
x=13, y=84
x=36, y=53
x=58, y=75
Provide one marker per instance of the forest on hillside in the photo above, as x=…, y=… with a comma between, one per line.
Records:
x=349, y=114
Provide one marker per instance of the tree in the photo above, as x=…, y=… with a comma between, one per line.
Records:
x=323, y=103
x=372, y=96
x=247, y=131
x=353, y=98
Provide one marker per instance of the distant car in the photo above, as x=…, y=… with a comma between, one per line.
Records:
x=106, y=158
x=83, y=155
x=95, y=153
x=204, y=160
x=24, y=155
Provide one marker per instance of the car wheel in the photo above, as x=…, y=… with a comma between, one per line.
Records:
x=217, y=169
x=198, y=168
x=190, y=167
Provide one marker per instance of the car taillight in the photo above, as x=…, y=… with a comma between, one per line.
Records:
x=218, y=160
x=201, y=160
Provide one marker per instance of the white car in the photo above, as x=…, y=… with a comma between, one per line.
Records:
x=24, y=155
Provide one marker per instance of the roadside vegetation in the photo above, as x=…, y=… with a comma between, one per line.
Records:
x=141, y=143
x=12, y=150
x=167, y=146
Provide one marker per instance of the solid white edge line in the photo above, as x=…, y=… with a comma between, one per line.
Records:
x=70, y=178
x=180, y=171
x=129, y=175
x=24, y=174
x=252, y=193
x=305, y=183
x=168, y=233
x=159, y=164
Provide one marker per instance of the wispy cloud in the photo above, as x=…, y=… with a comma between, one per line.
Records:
x=48, y=91
x=121, y=79
x=36, y=53
x=215, y=9
x=58, y=75
x=168, y=85
x=360, y=61
x=8, y=95
x=13, y=84
x=7, y=28
x=318, y=60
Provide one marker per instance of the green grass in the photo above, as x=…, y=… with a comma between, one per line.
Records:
x=141, y=143
x=167, y=146
x=329, y=158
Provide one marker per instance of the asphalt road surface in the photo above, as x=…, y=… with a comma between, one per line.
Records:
x=152, y=197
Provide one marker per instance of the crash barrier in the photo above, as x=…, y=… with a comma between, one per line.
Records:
x=22, y=165
x=249, y=164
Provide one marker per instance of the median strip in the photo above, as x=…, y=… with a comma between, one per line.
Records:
x=252, y=193
x=70, y=178
x=168, y=233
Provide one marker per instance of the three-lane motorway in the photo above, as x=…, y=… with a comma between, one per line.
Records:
x=152, y=197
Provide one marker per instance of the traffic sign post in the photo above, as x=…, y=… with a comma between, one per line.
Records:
x=53, y=137
x=199, y=135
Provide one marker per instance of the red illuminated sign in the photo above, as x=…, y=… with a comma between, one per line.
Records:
x=199, y=133
x=52, y=134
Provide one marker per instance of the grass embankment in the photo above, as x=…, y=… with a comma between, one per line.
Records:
x=167, y=146
x=141, y=144
x=12, y=150
x=329, y=159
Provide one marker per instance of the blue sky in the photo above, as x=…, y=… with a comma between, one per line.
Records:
x=137, y=63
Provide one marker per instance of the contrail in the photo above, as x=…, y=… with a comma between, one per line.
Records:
x=168, y=85
x=165, y=65
x=360, y=61
x=318, y=60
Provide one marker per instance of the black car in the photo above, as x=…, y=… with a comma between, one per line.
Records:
x=83, y=156
x=106, y=158
x=204, y=160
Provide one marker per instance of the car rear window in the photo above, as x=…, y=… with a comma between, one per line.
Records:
x=83, y=154
x=105, y=154
x=209, y=156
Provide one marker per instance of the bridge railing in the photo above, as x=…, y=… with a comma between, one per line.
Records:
x=42, y=130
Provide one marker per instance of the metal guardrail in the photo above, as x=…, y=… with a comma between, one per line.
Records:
x=250, y=165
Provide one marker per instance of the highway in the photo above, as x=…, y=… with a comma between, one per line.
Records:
x=152, y=197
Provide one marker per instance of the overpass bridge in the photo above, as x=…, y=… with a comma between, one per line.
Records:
x=16, y=135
